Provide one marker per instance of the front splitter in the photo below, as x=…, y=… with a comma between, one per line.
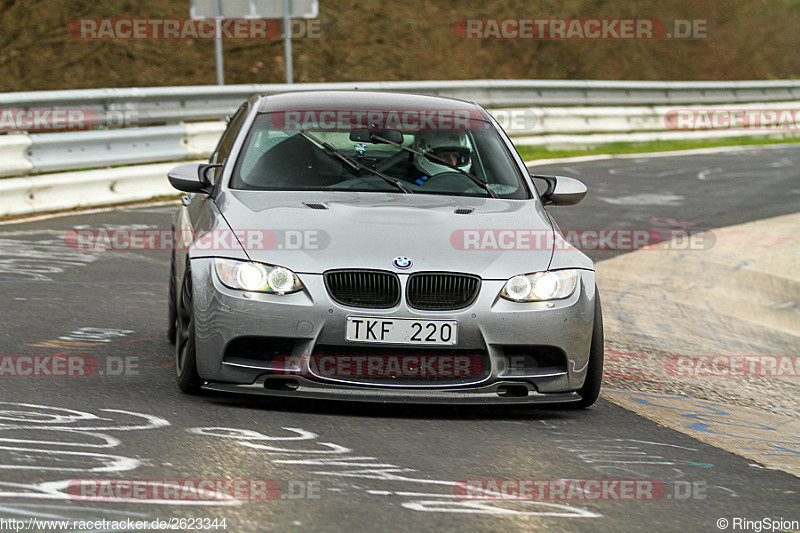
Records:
x=497, y=393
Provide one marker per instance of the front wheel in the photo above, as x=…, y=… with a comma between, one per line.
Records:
x=185, y=347
x=594, y=373
x=172, y=312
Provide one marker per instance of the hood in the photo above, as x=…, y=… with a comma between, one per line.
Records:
x=311, y=232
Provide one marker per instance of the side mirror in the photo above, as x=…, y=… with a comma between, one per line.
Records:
x=192, y=177
x=562, y=191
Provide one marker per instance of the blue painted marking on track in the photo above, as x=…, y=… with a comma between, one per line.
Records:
x=706, y=422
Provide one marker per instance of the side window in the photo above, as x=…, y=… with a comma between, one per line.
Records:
x=223, y=150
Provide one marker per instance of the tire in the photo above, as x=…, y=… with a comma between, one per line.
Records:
x=172, y=313
x=189, y=380
x=594, y=373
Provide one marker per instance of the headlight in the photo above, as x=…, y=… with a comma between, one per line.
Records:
x=256, y=277
x=551, y=285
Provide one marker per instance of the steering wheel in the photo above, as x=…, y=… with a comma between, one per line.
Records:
x=450, y=173
x=392, y=160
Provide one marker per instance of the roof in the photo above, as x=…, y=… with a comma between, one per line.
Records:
x=370, y=100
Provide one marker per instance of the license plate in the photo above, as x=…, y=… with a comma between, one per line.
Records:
x=402, y=330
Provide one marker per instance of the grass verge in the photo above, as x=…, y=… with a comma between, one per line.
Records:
x=536, y=152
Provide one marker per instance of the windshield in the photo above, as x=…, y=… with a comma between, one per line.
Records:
x=276, y=157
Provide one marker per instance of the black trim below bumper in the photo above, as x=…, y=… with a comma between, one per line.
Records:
x=485, y=395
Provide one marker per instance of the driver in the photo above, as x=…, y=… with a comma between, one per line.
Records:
x=452, y=147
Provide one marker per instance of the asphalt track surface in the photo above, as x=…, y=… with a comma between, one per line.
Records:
x=366, y=467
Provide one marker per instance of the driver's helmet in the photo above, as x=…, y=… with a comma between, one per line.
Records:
x=450, y=146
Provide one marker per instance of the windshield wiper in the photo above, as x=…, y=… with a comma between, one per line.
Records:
x=482, y=184
x=355, y=165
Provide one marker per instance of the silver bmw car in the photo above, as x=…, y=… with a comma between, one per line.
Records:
x=379, y=247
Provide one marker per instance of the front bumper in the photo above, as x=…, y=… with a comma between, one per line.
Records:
x=490, y=325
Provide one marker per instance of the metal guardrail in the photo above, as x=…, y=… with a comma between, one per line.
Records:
x=182, y=123
x=68, y=190
x=50, y=152
x=158, y=105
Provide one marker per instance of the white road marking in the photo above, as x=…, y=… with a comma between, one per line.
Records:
x=646, y=199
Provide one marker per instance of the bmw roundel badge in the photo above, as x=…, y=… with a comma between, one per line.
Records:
x=402, y=262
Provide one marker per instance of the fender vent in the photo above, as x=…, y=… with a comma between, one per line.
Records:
x=464, y=210
x=315, y=205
